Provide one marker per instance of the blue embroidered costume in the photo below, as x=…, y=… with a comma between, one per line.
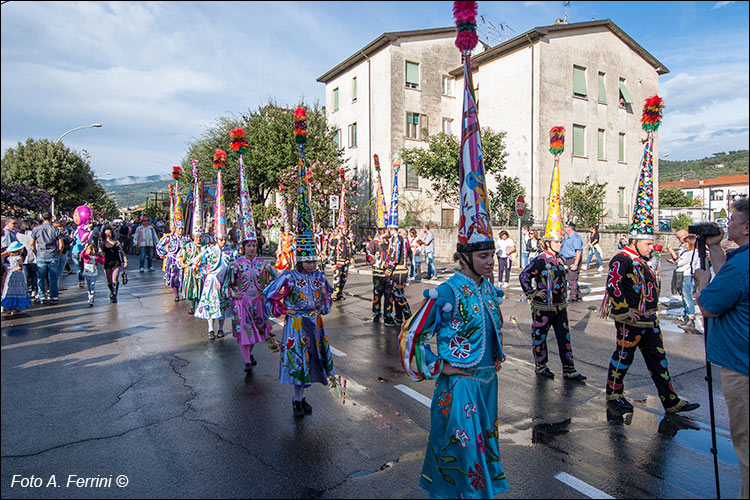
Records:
x=462, y=452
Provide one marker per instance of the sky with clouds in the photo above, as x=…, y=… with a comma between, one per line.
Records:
x=156, y=75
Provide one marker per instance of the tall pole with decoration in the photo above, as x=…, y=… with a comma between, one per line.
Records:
x=306, y=250
x=177, y=201
x=342, y=222
x=246, y=224
x=197, y=222
x=220, y=214
x=382, y=208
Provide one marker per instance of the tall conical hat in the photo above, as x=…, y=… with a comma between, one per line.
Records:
x=171, y=207
x=220, y=213
x=474, y=227
x=177, y=202
x=306, y=250
x=393, y=215
x=342, y=222
x=240, y=146
x=553, y=230
x=247, y=221
x=284, y=214
x=642, y=226
x=382, y=207
x=197, y=223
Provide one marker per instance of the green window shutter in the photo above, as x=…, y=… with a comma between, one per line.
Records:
x=355, y=134
x=579, y=81
x=621, y=149
x=600, y=145
x=602, y=89
x=354, y=88
x=690, y=195
x=624, y=92
x=621, y=201
x=412, y=74
x=578, y=144
x=335, y=98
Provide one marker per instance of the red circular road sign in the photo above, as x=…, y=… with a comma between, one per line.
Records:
x=520, y=206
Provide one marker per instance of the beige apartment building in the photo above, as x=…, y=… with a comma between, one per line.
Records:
x=591, y=78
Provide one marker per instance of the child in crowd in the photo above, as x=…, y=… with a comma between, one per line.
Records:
x=15, y=296
x=90, y=258
x=418, y=253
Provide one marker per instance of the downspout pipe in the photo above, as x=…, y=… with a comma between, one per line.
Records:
x=369, y=130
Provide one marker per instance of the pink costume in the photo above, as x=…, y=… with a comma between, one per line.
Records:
x=249, y=323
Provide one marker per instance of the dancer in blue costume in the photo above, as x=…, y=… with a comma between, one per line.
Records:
x=463, y=457
x=303, y=296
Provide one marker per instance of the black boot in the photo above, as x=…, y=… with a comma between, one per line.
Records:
x=297, y=409
x=116, y=290
x=111, y=287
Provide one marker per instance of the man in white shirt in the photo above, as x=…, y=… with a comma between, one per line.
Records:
x=145, y=241
x=506, y=247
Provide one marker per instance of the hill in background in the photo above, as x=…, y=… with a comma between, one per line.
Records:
x=130, y=195
x=718, y=165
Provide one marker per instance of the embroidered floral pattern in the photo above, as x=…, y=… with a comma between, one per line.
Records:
x=461, y=437
x=476, y=476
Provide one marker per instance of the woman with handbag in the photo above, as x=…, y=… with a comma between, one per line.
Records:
x=114, y=261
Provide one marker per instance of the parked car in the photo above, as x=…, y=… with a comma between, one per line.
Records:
x=665, y=225
x=722, y=223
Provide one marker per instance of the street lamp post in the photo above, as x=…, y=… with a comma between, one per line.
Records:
x=93, y=125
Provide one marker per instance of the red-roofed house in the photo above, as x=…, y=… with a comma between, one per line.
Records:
x=716, y=193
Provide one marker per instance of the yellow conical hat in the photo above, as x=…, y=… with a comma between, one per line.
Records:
x=553, y=229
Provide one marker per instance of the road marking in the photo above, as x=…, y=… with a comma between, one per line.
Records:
x=415, y=395
x=517, y=360
x=597, y=289
x=583, y=283
x=580, y=486
x=590, y=298
x=334, y=351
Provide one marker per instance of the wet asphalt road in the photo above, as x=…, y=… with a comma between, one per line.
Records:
x=136, y=389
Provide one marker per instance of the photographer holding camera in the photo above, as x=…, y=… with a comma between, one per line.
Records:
x=724, y=301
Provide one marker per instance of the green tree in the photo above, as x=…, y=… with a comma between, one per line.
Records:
x=673, y=197
x=440, y=161
x=503, y=200
x=682, y=221
x=583, y=202
x=66, y=174
x=272, y=155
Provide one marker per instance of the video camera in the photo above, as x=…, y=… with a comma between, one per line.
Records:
x=704, y=230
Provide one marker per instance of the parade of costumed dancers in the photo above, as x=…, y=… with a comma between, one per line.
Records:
x=302, y=296
x=214, y=303
x=170, y=245
x=397, y=263
x=339, y=247
x=287, y=241
x=250, y=274
x=190, y=254
x=377, y=251
x=633, y=291
x=462, y=457
x=545, y=284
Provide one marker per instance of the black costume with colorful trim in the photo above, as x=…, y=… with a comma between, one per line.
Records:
x=632, y=286
x=396, y=307
x=340, y=255
x=377, y=253
x=548, y=296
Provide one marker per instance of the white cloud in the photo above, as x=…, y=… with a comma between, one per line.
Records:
x=718, y=5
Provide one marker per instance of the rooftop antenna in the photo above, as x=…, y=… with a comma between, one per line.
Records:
x=566, y=4
x=504, y=30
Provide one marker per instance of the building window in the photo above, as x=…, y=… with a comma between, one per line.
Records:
x=690, y=195
x=336, y=99
x=337, y=138
x=621, y=148
x=621, y=201
x=717, y=195
x=447, y=85
x=412, y=179
x=417, y=126
x=602, y=89
x=412, y=75
x=354, y=89
x=579, y=81
x=447, y=219
x=625, y=100
x=353, y=135
x=447, y=126
x=600, y=145
x=579, y=145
